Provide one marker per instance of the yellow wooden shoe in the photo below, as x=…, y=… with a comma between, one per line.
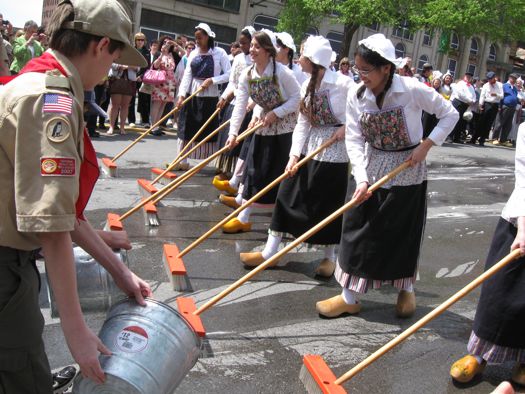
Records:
x=336, y=306
x=406, y=304
x=224, y=186
x=326, y=268
x=466, y=368
x=228, y=201
x=254, y=259
x=518, y=374
x=236, y=226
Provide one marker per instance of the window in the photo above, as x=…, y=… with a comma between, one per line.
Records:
x=493, y=53
x=374, y=26
x=403, y=31
x=335, y=39
x=228, y=5
x=422, y=60
x=474, y=47
x=471, y=68
x=454, y=41
x=264, y=22
x=452, y=64
x=400, y=50
x=427, y=37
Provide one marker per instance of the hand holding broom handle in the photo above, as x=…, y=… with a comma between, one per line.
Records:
x=262, y=192
x=156, y=124
x=165, y=189
x=430, y=316
x=168, y=189
x=183, y=154
x=306, y=235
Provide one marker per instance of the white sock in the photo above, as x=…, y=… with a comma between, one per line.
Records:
x=238, y=199
x=479, y=359
x=239, y=168
x=349, y=296
x=244, y=216
x=234, y=181
x=272, y=246
x=329, y=252
x=410, y=288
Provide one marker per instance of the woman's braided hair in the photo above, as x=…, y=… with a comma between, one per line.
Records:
x=305, y=107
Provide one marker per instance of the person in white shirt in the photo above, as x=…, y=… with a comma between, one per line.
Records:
x=491, y=95
x=318, y=188
x=382, y=236
x=285, y=55
x=207, y=67
x=227, y=160
x=463, y=96
x=276, y=94
x=497, y=333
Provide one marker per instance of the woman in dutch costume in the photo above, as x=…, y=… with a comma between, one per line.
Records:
x=208, y=66
x=276, y=93
x=382, y=236
x=317, y=189
x=499, y=325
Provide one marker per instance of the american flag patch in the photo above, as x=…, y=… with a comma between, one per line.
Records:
x=57, y=103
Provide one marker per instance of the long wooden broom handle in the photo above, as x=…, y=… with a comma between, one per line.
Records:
x=430, y=316
x=306, y=235
x=168, y=189
x=179, y=158
x=261, y=193
x=156, y=124
x=163, y=190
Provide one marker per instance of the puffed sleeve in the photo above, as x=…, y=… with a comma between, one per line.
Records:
x=241, y=101
x=185, y=84
x=302, y=129
x=46, y=163
x=292, y=91
x=225, y=67
x=432, y=102
x=354, y=139
x=515, y=207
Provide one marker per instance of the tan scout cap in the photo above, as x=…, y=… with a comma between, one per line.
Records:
x=106, y=18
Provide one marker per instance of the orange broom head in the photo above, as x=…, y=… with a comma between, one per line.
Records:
x=186, y=309
x=147, y=186
x=114, y=223
x=169, y=175
x=150, y=208
x=109, y=163
x=320, y=376
x=173, y=261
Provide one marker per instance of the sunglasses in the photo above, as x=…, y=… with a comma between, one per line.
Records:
x=139, y=39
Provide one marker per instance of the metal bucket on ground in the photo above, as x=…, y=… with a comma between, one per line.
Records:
x=96, y=289
x=153, y=349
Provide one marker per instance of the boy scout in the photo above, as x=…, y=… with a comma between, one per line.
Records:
x=47, y=172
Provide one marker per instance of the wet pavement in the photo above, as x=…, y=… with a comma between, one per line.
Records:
x=257, y=335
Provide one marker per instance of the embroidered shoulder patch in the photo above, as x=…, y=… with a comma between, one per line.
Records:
x=57, y=103
x=58, y=129
x=57, y=166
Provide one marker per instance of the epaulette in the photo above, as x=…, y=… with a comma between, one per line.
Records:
x=55, y=79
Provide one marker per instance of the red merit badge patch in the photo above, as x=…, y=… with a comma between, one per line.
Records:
x=57, y=166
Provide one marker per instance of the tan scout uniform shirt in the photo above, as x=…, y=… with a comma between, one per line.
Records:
x=40, y=155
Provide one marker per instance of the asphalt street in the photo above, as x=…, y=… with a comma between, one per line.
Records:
x=256, y=336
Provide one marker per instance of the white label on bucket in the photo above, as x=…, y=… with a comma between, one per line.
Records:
x=132, y=339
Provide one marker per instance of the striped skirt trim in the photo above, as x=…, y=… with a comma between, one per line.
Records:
x=492, y=353
x=362, y=285
x=204, y=151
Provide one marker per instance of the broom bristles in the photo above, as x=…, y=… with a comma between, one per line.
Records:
x=317, y=377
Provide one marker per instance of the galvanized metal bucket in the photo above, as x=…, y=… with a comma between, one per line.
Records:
x=153, y=350
x=96, y=289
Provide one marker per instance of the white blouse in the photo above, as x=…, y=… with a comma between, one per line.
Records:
x=299, y=74
x=515, y=207
x=463, y=92
x=338, y=86
x=413, y=97
x=221, y=72
x=240, y=62
x=290, y=92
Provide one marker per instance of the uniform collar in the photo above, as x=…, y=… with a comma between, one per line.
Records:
x=329, y=77
x=72, y=74
x=397, y=87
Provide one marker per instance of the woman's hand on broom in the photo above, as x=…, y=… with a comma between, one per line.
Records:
x=519, y=241
x=207, y=83
x=179, y=101
x=339, y=134
x=291, y=169
x=419, y=154
x=133, y=286
x=361, y=193
x=231, y=142
x=269, y=119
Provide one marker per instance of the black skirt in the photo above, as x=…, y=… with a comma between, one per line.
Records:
x=382, y=236
x=500, y=316
x=317, y=190
x=266, y=160
x=193, y=116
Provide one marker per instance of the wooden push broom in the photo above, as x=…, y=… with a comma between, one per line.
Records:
x=272, y=260
x=109, y=166
x=115, y=220
x=317, y=376
x=261, y=193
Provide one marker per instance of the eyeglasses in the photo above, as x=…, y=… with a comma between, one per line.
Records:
x=139, y=39
x=363, y=73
